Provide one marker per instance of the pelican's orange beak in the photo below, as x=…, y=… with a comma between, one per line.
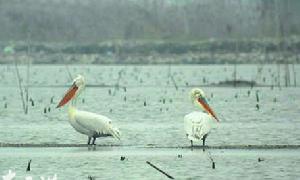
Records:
x=207, y=108
x=68, y=96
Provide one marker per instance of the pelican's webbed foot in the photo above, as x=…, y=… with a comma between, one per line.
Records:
x=203, y=139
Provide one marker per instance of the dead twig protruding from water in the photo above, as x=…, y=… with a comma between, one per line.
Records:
x=91, y=177
x=211, y=159
x=20, y=86
x=170, y=76
x=163, y=172
x=117, y=85
x=67, y=67
x=32, y=102
x=27, y=73
x=287, y=76
x=295, y=77
x=28, y=166
x=257, y=100
x=51, y=100
x=174, y=82
x=278, y=75
x=24, y=98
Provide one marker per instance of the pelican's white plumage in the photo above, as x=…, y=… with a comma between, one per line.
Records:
x=91, y=124
x=196, y=125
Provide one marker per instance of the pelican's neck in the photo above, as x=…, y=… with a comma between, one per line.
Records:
x=198, y=107
x=71, y=112
x=72, y=107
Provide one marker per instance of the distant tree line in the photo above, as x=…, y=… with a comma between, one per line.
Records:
x=93, y=21
x=147, y=48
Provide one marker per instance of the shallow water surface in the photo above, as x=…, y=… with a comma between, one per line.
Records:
x=120, y=93
x=104, y=163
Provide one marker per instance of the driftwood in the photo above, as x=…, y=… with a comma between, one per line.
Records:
x=163, y=172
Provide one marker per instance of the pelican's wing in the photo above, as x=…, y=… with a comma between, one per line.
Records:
x=196, y=125
x=95, y=122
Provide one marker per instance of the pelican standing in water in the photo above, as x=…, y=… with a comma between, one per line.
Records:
x=91, y=124
x=197, y=124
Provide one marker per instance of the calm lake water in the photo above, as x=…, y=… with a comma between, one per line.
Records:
x=159, y=123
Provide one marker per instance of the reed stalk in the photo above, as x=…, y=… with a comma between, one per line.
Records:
x=27, y=75
x=20, y=85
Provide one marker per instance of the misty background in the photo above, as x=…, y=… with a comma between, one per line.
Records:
x=151, y=31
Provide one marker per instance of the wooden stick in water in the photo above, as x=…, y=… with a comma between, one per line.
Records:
x=118, y=81
x=20, y=86
x=170, y=76
x=69, y=72
x=257, y=97
x=66, y=66
x=174, y=82
x=28, y=166
x=295, y=77
x=211, y=159
x=27, y=74
x=152, y=165
x=278, y=75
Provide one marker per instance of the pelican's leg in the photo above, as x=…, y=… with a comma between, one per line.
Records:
x=89, y=140
x=94, y=139
x=191, y=145
x=203, y=139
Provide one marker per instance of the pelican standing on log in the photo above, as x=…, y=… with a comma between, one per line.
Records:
x=197, y=124
x=91, y=124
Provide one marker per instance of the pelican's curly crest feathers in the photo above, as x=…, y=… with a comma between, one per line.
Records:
x=196, y=93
